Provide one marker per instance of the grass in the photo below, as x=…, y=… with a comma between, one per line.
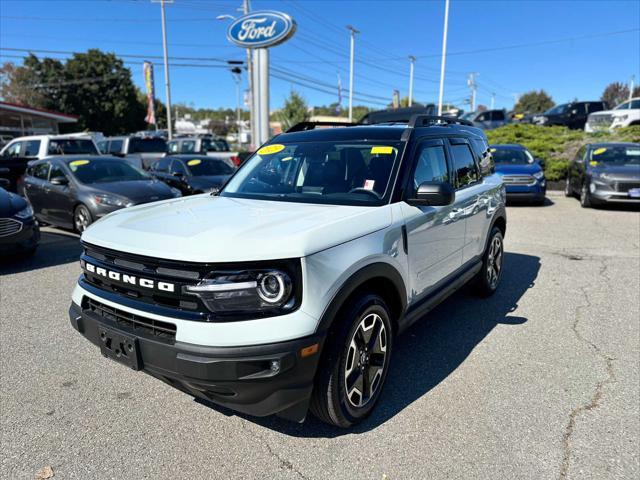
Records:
x=557, y=145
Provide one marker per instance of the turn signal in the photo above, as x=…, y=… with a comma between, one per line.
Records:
x=310, y=350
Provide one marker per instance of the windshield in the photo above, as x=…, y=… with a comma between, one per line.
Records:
x=340, y=173
x=208, y=166
x=633, y=104
x=147, y=145
x=511, y=156
x=105, y=171
x=558, y=109
x=619, y=154
x=72, y=146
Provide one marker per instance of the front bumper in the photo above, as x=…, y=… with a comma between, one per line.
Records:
x=239, y=378
x=601, y=193
x=531, y=193
x=25, y=240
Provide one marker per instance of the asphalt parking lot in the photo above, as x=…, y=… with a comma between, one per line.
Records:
x=542, y=381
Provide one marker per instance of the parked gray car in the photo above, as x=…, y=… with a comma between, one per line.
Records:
x=487, y=119
x=74, y=191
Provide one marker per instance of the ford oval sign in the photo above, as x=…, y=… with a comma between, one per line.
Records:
x=261, y=29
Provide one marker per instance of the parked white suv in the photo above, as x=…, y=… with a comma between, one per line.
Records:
x=42, y=146
x=624, y=115
x=287, y=289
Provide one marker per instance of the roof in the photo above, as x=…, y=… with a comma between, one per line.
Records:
x=79, y=156
x=39, y=112
x=75, y=136
x=613, y=144
x=378, y=132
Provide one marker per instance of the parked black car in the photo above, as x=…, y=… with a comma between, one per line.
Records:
x=74, y=191
x=605, y=173
x=192, y=173
x=398, y=114
x=573, y=115
x=19, y=230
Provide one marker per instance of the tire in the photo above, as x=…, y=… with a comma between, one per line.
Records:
x=81, y=218
x=488, y=278
x=347, y=367
x=568, y=192
x=585, y=197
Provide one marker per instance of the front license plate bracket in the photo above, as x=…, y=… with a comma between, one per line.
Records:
x=120, y=347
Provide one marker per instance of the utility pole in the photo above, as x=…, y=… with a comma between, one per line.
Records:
x=246, y=8
x=471, y=82
x=353, y=47
x=412, y=60
x=166, y=67
x=631, y=85
x=236, y=72
x=493, y=100
x=443, y=63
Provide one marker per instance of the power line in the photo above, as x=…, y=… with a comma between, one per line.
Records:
x=111, y=20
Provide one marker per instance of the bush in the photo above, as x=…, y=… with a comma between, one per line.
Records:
x=557, y=145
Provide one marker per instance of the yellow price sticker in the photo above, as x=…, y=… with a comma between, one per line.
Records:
x=271, y=149
x=194, y=162
x=77, y=163
x=381, y=150
x=593, y=164
x=599, y=151
x=493, y=150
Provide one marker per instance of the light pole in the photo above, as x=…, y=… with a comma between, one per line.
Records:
x=412, y=61
x=236, y=72
x=166, y=67
x=444, y=55
x=351, y=61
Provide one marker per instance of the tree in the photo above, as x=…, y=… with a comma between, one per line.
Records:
x=534, y=102
x=615, y=94
x=295, y=110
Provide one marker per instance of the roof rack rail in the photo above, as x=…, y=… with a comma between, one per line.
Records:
x=422, y=120
x=303, y=126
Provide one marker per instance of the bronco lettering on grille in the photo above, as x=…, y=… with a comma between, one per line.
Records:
x=130, y=279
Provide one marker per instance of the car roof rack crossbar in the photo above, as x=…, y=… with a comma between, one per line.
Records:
x=422, y=120
x=303, y=126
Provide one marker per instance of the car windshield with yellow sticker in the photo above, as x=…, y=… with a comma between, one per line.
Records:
x=208, y=167
x=616, y=154
x=341, y=173
x=104, y=170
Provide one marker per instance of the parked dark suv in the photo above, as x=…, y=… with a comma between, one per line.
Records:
x=605, y=173
x=573, y=115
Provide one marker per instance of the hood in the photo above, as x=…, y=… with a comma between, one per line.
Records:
x=203, y=228
x=524, y=169
x=10, y=203
x=138, y=191
x=605, y=113
x=620, y=172
x=207, y=182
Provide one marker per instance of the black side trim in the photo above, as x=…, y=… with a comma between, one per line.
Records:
x=441, y=291
x=375, y=270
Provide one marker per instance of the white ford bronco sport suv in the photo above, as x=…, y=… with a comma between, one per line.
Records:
x=286, y=290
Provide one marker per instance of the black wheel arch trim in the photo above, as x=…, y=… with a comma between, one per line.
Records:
x=369, y=272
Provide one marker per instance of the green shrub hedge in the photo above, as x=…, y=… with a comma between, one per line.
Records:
x=557, y=145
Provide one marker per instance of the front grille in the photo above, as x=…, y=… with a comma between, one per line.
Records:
x=9, y=226
x=625, y=186
x=518, y=179
x=601, y=120
x=135, y=323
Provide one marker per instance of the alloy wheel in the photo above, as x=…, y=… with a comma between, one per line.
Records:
x=365, y=361
x=81, y=219
x=494, y=262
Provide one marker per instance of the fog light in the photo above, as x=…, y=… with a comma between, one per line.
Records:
x=275, y=366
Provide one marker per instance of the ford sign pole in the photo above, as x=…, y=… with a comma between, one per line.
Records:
x=351, y=62
x=258, y=31
x=444, y=56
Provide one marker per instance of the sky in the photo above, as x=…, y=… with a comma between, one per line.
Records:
x=571, y=49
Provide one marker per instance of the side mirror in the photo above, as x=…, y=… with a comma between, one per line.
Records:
x=574, y=111
x=540, y=162
x=61, y=181
x=4, y=170
x=434, y=194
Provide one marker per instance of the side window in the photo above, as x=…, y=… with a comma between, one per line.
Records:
x=56, y=171
x=14, y=149
x=31, y=148
x=497, y=115
x=481, y=148
x=115, y=146
x=483, y=117
x=431, y=166
x=581, y=108
x=188, y=146
x=464, y=165
x=178, y=167
x=103, y=146
x=41, y=171
x=173, y=147
x=162, y=165
x=580, y=154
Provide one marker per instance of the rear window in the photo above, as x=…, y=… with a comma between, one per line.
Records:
x=72, y=146
x=147, y=145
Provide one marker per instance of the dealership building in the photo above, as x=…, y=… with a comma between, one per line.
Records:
x=18, y=120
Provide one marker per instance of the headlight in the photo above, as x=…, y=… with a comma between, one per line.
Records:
x=25, y=213
x=111, y=200
x=539, y=175
x=175, y=192
x=255, y=291
x=621, y=118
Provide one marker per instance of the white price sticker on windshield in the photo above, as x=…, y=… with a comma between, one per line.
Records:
x=368, y=184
